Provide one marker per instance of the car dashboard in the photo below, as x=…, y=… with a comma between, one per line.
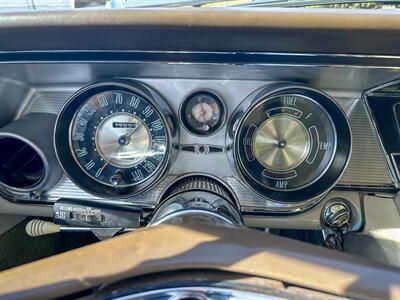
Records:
x=199, y=153
x=130, y=110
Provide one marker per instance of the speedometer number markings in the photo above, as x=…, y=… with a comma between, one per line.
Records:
x=156, y=125
x=148, y=111
x=78, y=137
x=159, y=139
x=98, y=172
x=134, y=102
x=103, y=100
x=113, y=140
x=118, y=98
x=127, y=138
x=149, y=166
x=90, y=109
x=137, y=175
x=81, y=152
x=89, y=165
x=81, y=122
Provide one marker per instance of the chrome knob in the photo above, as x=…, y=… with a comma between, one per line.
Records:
x=337, y=215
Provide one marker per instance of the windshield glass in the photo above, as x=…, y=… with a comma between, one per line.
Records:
x=26, y=5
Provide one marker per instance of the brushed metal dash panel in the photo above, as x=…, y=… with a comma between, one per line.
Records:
x=367, y=166
x=47, y=102
x=68, y=190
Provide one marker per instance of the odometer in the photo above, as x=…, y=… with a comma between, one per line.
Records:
x=118, y=139
x=293, y=144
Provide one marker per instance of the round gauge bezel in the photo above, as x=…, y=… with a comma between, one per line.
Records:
x=67, y=159
x=185, y=102
x=272, y=97
x=333, y=170
x=99, y=152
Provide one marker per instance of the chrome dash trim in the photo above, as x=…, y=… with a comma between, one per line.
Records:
x=188, y=57
x=373, y=172
x=199, y=292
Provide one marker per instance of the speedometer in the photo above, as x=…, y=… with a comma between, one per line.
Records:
x=118, y=138
x=292, y=144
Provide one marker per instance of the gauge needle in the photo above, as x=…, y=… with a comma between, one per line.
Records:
x=202, y=110
x=133, y=130
x=126, y=138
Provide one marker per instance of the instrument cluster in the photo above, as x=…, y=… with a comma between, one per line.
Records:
x=119, y=138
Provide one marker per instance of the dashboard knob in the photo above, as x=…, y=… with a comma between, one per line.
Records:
x=337, y=215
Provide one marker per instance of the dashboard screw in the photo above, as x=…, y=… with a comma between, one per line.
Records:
x=35, y=195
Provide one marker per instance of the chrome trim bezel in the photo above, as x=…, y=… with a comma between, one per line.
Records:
x=267, y=98
x=198, y=292
x=330, y=203
x=89, y=56
x=188, y=212
x=238, y=116
x=99, y=152
x=268, y=208
x=171, y=130
x=188, y=97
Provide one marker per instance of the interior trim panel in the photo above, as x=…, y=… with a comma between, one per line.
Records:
x=266, y=30
x=230, y=53
x=49, y=85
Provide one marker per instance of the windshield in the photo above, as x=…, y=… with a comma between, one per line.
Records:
x=24, y=5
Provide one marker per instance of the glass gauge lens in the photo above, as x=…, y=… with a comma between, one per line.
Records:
x=125, y=147
x=202, y=113
x=289, y=141
x=281, y=143
x=287, y=147
x=118, y=138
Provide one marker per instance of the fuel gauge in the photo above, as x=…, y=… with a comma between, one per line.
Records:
x=202, y=113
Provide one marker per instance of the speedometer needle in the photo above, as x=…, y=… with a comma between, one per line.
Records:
x=128, y=137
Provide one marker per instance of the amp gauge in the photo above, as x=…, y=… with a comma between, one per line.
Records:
x=202, y=113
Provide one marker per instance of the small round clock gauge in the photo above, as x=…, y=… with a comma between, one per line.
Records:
x=202, y=113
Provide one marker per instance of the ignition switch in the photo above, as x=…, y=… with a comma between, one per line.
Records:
x=336, y=218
